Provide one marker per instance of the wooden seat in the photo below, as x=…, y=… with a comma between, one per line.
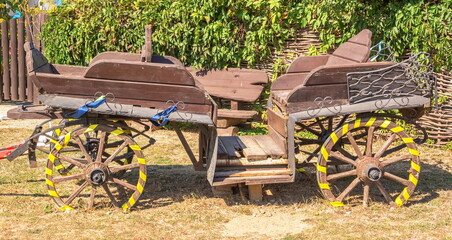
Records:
x=311, y=77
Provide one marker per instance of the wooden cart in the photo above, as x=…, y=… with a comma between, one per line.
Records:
x=323, y=113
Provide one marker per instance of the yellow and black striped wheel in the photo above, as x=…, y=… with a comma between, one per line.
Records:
x=97, y=166
x=368, y=159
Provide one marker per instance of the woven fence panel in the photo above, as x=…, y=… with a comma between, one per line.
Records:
x=438, y=122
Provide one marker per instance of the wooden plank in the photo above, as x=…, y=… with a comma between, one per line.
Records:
x=21, y=59
x=280, y=141
x=55, y=83
x=5, y=61
x=134, y=57
x=307, y=63
x=13, y=50
x=235, y=91
x=303, y=98
x=289, y=81
x=252, y=173
x=140, y=72
x=253, y=150
x=255, y=192
x=232, y=146
x=147, y=48
x=267, y=143
x=30, y=85
x=277, y=122
x=236, y=114
x=253, y=180
x=244, y=162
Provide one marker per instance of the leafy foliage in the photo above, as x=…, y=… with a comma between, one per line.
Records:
x=230, y=33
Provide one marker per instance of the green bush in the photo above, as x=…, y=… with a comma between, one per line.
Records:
x=230, y=33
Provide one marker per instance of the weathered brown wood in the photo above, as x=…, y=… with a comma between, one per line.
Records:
x=267, y=143
x=13, y=50
x=21, y=59
x=223, y=162
x=255, y=192
x=229, y=131
x=237, y=114
x=196, y=163
x=227, y=122
x=235, y=84
x=252, y=173
x=134, y=57
x=232, y=146
x=305, y=97
x=280, y=141
x=289, y=81
x=140, y=72
x=253, y=180
x=307, y=63
x=5, y=57
x=55, y=83
x=147, y=48
x=252, y=150
x=277, y=122
x=30, y=85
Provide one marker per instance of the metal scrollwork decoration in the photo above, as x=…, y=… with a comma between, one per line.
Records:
x=324, y=103
x=411, y=77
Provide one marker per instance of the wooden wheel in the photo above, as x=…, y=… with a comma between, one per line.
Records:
x=315, y=134
x=378, y=170
x=97, y=167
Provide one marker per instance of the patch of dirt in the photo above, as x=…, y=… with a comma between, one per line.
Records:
x=270, y=224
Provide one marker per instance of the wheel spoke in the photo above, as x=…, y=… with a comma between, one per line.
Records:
x=354, y=145
x=330, y=124
x=88, y=157
x=396, y=178
x=102, y=142
x=341, y=175
x=307, y=141
x=110, y=195
x=370, y=138
x=366, y=195
x=122, y=183
x=67, y=178
x=394, y=160
x=350, y=187
x=125, y=167
x=343, y=158
x=76, y=193
x=309, y=130
x=69, y=160
x=345, y=153
x=91, y=198
x=385, y=193
x=385, y=146
x=116, y=152
x=319, y=122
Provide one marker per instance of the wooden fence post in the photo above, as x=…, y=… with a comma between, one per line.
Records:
x=21, y=55
x=30, y=84
x=13, y=48
x=5, y=53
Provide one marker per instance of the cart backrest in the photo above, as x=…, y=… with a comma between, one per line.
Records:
x=36, y=62
x=355, y=50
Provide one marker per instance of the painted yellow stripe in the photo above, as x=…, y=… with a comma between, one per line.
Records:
x=408, y=140
x=413, y=151
x=58, y=147
x=397, y=129
x=334, y=137
x=357, y=123
x=324, y=186
x=49, y=171
x=320, y=168
x=67, y=138
x=127, y=131
x=53, y=141
x=344, y=129
x=141, y=160
x=50, y=183
x=405, y=194
x=91, y=128
x=370, y=122
x=399, y=201
x=125, y=206
x=140, y=188
x=142, y=176
x=132, y=201
x=58, y=167
x=337, y=204
x=66, y=208
x=385, y=124
x=53, y=193
x=413, y=179
x=324, y=152
x=58, y=132
x=301, y=170
x=52, y=158
x=416, y=167
x=117, y=132
x=135, y=147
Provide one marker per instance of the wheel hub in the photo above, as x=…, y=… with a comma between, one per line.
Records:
x=97, y=173
x=368, y=170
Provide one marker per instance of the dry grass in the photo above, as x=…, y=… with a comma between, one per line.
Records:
x=178, y=204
